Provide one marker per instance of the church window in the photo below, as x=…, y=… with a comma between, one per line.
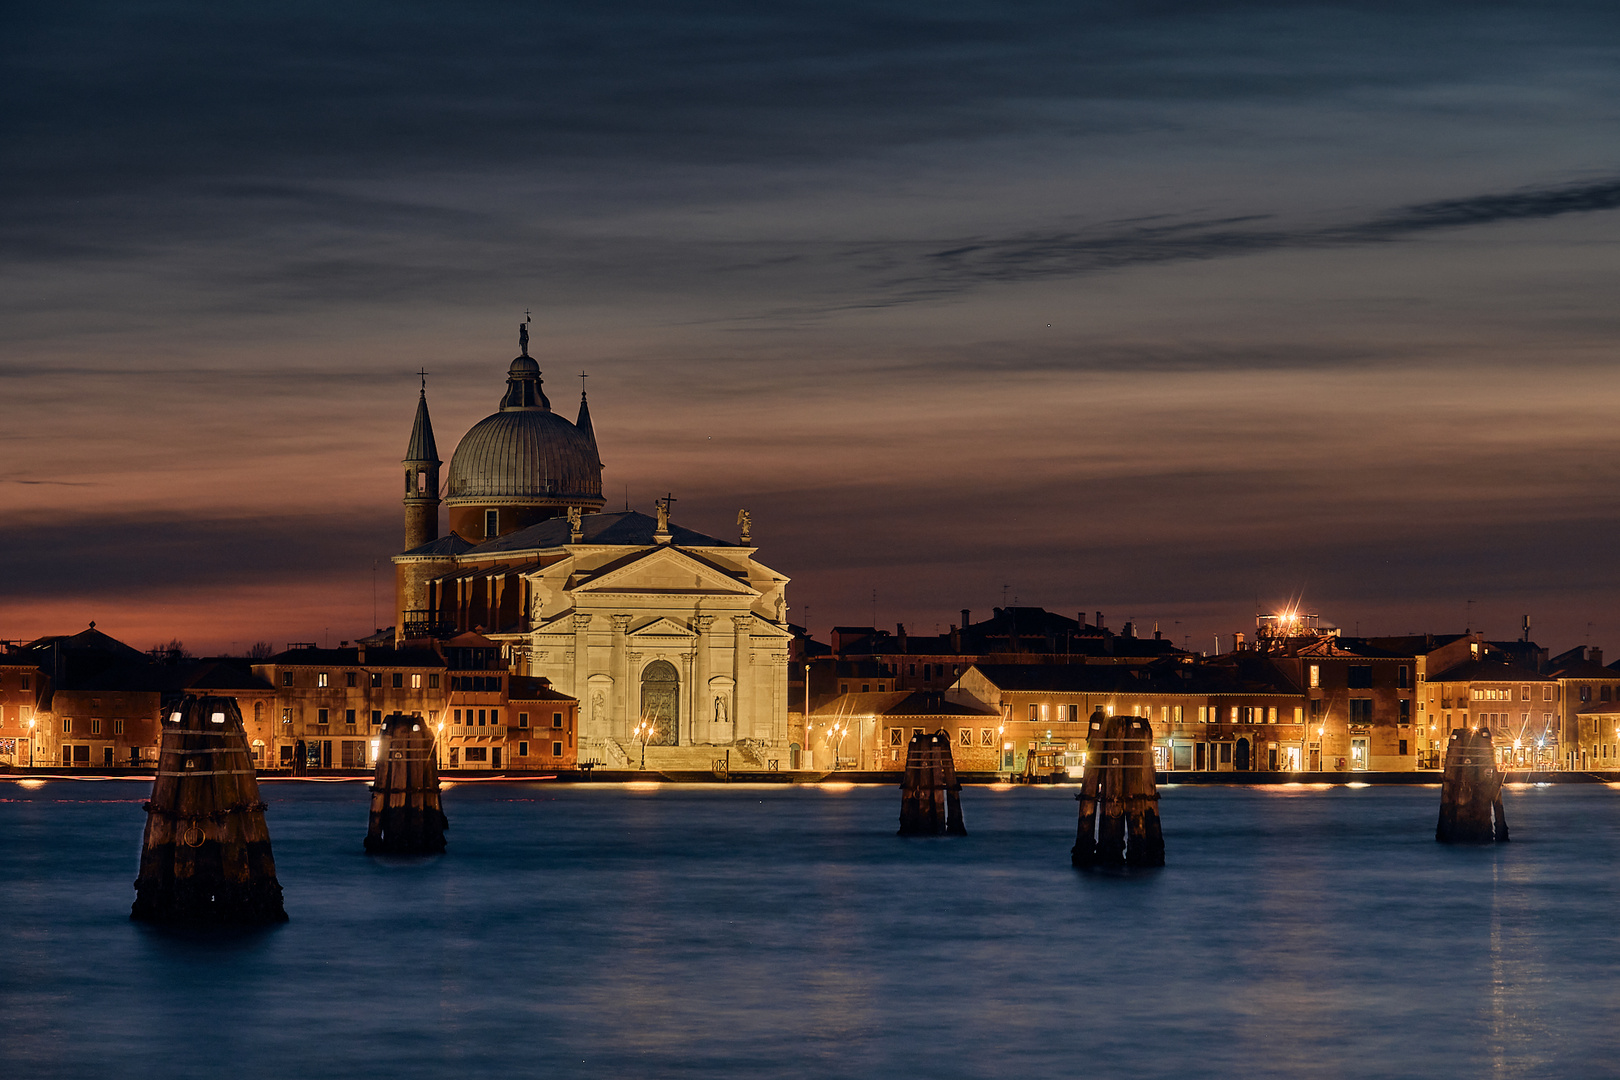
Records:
x=433, y=682
x=416, y=681
x=320, y=679
x=491, y=520
x=286, y=678
x=556, y=719
x=399, y=679
x=556, y=749
x=348, y=678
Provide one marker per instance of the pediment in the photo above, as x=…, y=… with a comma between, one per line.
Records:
x=668, y=571
x=660, y=626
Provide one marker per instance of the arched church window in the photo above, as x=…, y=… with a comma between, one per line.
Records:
x=661, y=702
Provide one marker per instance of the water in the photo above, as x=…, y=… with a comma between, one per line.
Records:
x=734, y=931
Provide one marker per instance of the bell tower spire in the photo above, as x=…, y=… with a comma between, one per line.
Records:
x=421, y=478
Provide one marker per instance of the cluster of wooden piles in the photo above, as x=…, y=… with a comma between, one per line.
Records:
x=406, y=817
x=1471, y=792
x=1119, y=796
x=930, y=797
x=206, y=854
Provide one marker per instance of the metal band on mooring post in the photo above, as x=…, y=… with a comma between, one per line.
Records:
x=206, y=855
x=1471, y=792
x=1119, y=796
x=406, y=816
x=930, y=797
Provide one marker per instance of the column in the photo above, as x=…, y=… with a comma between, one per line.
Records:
x=619, y=668
x=582, y=670
x=703, y=714
x=742, y=702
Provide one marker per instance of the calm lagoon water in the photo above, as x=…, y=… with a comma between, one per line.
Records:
x=736, y=931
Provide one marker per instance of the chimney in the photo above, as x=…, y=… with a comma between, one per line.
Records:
x=956, y=640
x=967, y=617
x=1597, y=655
x=1099, y=620
x=1129, y=630
x=1237, y=642
x=900, y=632
x=360, y=654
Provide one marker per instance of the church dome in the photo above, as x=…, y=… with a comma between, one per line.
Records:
x=525, y=453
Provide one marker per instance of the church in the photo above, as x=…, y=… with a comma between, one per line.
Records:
x=674, y=642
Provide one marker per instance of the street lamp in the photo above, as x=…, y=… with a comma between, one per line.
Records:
x=644, y=732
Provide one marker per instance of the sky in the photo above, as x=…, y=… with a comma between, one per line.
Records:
x=1175, y=311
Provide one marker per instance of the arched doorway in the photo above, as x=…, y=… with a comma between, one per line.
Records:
x=1242, y=762
x=661, y=702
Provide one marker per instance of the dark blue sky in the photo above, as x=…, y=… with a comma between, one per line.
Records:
x=1164, y=309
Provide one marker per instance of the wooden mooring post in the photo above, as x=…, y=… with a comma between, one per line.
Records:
x=205, y=858
x=1471, y=792
x=406, y=816
x=1119, y=798
x=930, y=797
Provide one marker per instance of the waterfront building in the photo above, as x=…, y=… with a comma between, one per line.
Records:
x=329, y=703
x=1237, y=712
x=871, y=730
x=24, y=685
x=672, y=641
x=1587, y=701
x=1012, y=635
x=1359, y=699
x=1518, y=704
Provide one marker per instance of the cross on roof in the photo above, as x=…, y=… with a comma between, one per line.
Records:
x=423, y=373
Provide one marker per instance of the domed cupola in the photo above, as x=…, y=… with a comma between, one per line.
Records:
x=522, y=465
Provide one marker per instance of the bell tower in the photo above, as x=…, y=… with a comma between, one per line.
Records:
x=421, y=478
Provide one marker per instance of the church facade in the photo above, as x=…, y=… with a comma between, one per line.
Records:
x=674, y=642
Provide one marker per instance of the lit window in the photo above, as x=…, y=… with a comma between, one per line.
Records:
x=1316, y=675
x=286, y=716
x=416, y=682
x=320, y=679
